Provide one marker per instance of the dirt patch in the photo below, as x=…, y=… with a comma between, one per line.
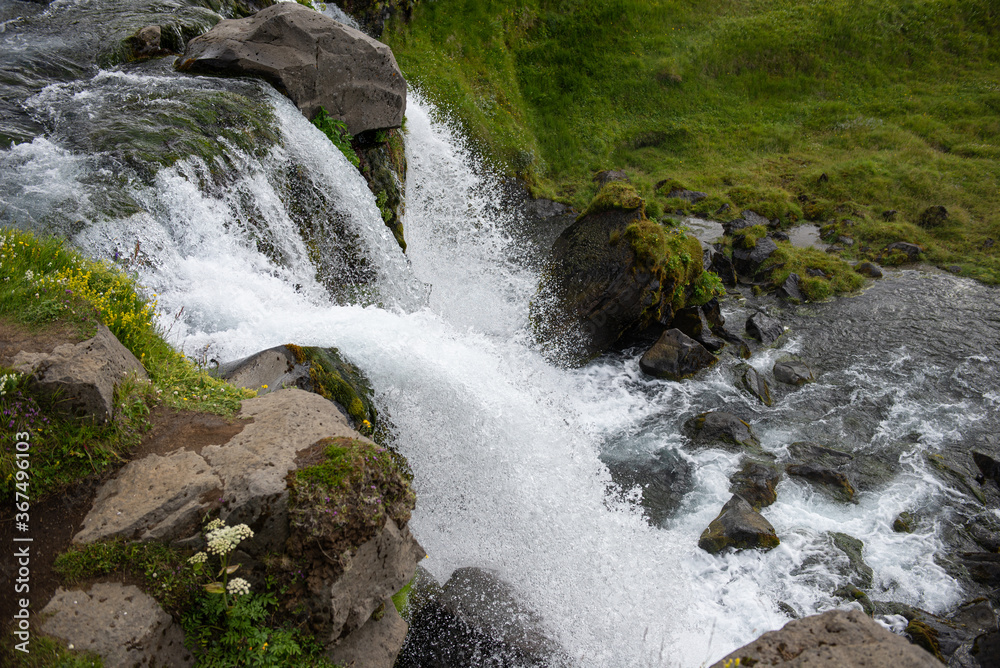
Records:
x=15, y=338
x=55, y=520
x=174, y=429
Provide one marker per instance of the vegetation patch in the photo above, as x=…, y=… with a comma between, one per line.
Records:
x=337, y=132
x=338, y=380
x=791, y=108
x=615, y=195
x=344, y=491
x=43, y=285
x=838, y=277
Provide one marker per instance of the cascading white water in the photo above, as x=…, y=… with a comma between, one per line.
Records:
x=506, y=448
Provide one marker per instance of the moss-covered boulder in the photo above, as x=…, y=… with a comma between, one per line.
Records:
x=382, y=161
x=738, y=526
x=615, y=272
x=349, y=501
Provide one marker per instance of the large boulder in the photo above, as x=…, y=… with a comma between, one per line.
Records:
x=80, y=378
x=612, y=272
x=676, y=356
x=738, y=526
x=314, y=60
x=757, y=482
x=663, y=479
x=764, y=328
x=376, y=644
x=125, y=626
x=254, y=478
x=834, y=639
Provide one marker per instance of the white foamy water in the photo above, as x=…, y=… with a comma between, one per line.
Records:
x=504, y=446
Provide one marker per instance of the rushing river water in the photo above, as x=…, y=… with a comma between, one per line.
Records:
x=508, y=451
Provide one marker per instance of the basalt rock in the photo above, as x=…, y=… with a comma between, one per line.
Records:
x=747, y=219
x=738, y=526
x=80, y=379
x=822, y=466
x=764, y=328
x=791, y=289
x=382, y=160
x=932, y=216
x=663, y=478
x=611, y=273
x=314, y=60
x=792, y=372
x=834, y=639
x=869, y=269
x=675, y=357
x=756, y=481
x=861, y=574
x=121, y=623
x=723, y=266
x=373, y=14
x=721, y=429
x=749, y=262
x=755, y=384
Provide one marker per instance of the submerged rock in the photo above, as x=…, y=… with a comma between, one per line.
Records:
x=822, y=466
x=718, y=428
x=675, y=357
x=738, y=526
x=477, y=619
x=314, y=60
x=861, y=574
x=664, y=478
x=834, y=639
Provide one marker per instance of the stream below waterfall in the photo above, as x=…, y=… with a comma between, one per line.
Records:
x=508, y=451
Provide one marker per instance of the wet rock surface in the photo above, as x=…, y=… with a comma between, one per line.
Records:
x=738, y=526
x=721, y=429
x=764, y=328
x=676, y=356
x=833, y=639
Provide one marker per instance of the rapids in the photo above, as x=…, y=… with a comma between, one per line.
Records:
x=507, y=449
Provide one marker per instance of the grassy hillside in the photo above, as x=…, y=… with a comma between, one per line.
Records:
x=896, y=102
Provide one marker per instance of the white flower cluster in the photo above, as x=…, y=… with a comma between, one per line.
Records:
x=29, y=275
x=199, y=558
x=216, y=523
x=224, y=540
x=238, y=586
x=7, y=381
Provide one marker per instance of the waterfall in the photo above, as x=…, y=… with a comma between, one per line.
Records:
x=507, y=449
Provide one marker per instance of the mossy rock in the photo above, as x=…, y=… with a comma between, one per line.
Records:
x=740, y=527
x=343, y=491
x=336, y=379
x=616, y=195
x=853, y=548
x=382, y=159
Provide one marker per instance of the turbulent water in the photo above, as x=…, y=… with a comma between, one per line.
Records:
x=507, y=449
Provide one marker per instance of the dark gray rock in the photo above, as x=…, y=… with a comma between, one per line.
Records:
x=383, y=164
x=932, y=216
x=713, y=312
x=664, y=478
x=755, y=384
x=834, y=639
x=676, y=356
x=607, y=176
x=721, y=429
x=477, y=619
x=764, y=328
x=740, y=347
x=861, y=574
x=749, y=262
x=756, y=481
x=747, y=219
x=738, y=526
x=125, y=626
x=869, y=269
x=80, y=378
x=314, y=60
x=692, y=196
x=792, y=372
x=835, y=482
x=988, y=465
x=723, y=266
x=912, y=251
x=693, y=322
x=904, y=523
x=791, y=289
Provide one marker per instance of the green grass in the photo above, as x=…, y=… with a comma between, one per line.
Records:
x=45, y=284
x=896, y=102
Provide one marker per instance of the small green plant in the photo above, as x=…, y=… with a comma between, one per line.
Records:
x=228, y=625
x=338, y=134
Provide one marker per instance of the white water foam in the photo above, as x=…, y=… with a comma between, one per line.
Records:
x=505, y=447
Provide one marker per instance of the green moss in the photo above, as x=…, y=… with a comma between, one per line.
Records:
x=772, y=203
x=615, y=195
x=337, y=133
x=840, y=276
x=345, y=490
x=748, y=237
x=401, y=599
x=336, y=379
x=925, y=636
